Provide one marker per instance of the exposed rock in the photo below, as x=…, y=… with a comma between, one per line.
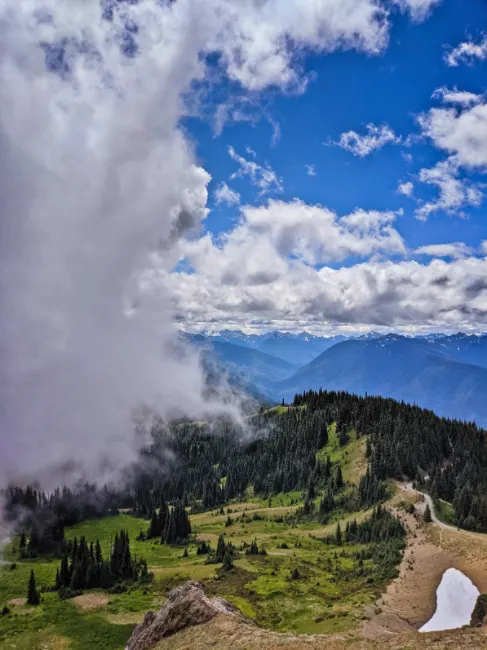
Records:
x=185, y=606
x=479, y=614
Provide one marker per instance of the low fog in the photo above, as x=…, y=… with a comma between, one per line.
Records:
x=96, y=177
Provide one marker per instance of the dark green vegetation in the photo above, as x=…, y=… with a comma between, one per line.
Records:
x=274, y=514
x=83, y=567
x=479, y=613
x=33, y=597
x=276, y=569
x=448, y=457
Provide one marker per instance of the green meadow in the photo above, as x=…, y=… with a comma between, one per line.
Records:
x=300, y=584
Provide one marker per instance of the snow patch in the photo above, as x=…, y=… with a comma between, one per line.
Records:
x=455, y=599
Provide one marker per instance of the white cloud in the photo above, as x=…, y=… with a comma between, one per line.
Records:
x=259, y=249
x=463, y=134
x=467, y=52
x=251, y=152
x=272, y=239
x=406, y=188
x=276, y=132
x=262, y=176
x=375, y=138
x=455, y=250
x=483, y=248
x=310, y=170
x=224, y=194
x=455, y=96
x=454, y=193
x=438, y=294
x=260, y=40
x=419, y=9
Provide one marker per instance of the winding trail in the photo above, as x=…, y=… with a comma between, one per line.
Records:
x=429, y=501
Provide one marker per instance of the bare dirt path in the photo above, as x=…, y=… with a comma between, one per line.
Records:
x=410, y=600
x=429, y=501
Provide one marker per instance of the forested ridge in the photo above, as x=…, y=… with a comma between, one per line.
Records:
x=205, y=465
x=448, y=457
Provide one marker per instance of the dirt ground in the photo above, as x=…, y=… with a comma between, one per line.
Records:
x=88, y=602
x=226, y=633
x=410, y=600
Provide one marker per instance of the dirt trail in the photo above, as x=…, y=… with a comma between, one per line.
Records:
x=410, y=600
x=428, y=500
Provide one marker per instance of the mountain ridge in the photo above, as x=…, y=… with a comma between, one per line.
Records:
x=412, y=370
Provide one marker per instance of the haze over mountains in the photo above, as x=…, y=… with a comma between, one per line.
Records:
x=446, y=373
x=295, y=348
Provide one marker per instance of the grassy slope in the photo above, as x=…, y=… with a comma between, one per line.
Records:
x=351, y=456
x=444, y=511
x=325, y=600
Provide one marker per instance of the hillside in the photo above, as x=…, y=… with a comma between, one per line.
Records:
x=251, y=370
x=429, y=374
x=468, y=348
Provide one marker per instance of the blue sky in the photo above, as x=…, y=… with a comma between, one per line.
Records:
x=348, y=91
x=385, y=131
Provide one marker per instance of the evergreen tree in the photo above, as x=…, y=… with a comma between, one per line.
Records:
x=227, y=561
x=427, y=514
x=338, y=535
x=220, y=549
x=33, y=597
x=154, y=530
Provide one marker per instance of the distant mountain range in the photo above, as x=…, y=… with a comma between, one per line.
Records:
x=439, y=374
x=297, y=349
x=446, y=373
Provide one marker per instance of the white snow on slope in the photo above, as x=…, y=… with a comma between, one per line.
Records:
x=455, y=599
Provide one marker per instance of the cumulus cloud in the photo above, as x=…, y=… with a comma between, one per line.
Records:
x=261, y=39
x=258, y=248
x=461, y=133
x=375, y=138
x=262, y=176
x=455, y=96
x=310, y=170
x=467, y=52
x=418, y=9
x=224, y=194
x=96, y=175
x=439, y=294
x=406, y=188
x=455, y=193
x=279, y=245
x=454, y=250
x=92, y=179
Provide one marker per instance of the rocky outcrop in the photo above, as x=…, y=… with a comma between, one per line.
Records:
x=479, y=614
x=185, y=606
